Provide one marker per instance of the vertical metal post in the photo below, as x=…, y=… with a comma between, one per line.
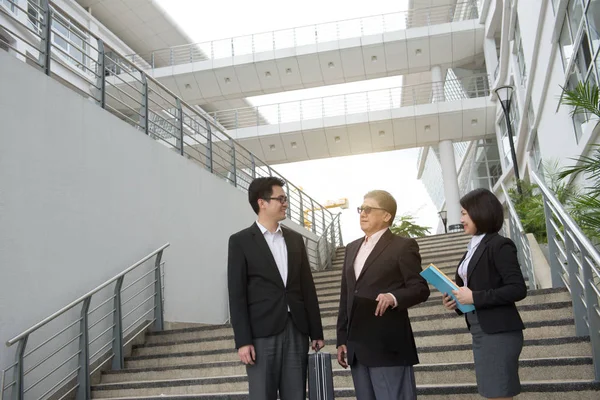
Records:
x=158, y=297
x=209, y=151
x=46, y=36
x=101, y=78
x=332, y=233
x=555, y=264
x=289, y=209
x=327, y=251
x=118, y=361
x=323, y=219
x=171, y=57
x=340, y=229
x=318, y=256
x=233, y=163
x=180, y=124
x=591, y=300
x=579, y=312
x=302, y=222
x=253, y=165
x=312, y=209
x=19, y=373
x=152, y=59
x=144, y=110
x=83, y=377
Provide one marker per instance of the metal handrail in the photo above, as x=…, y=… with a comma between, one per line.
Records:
x=122, y=88
x=112, y=349
x=574, y=263
x=88, y=294
x=519, y=236
x=473, y=86
x=308, y=34
x=326, y=245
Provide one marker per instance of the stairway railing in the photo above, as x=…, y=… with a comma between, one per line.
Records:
x=57, y=356
x=519, y=237
x=574, y=263
x=322, y=252
x=308, y=35
x=126, y=91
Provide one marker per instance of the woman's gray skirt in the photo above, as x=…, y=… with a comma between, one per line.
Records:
x=496, y=360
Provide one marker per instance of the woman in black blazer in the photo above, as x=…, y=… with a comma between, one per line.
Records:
x=489, y=277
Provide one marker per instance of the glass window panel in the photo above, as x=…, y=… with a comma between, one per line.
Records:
x=566, y=44
x=593, y=19
x=575, y=16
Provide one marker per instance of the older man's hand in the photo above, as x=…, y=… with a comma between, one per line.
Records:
x=385, y=301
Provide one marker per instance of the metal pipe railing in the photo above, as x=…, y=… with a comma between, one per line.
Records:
x=308, y=35
x=78, y=345
x=519, y=237
x=575, y=263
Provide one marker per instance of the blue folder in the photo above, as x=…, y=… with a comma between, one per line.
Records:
x=444, y=284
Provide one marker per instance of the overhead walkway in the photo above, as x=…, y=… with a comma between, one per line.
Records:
x=397, y=118
x=316, y=55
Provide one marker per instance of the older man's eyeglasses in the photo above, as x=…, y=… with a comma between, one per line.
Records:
x=281, y=199
x=368, y=209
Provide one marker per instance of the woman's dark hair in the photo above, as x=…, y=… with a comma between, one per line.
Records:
x=262, y=188
x=484, y=209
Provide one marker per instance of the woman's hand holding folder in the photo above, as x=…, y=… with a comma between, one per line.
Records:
x=448, y=302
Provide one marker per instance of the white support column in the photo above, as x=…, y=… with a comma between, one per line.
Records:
x=437, y=85
x=450, y=177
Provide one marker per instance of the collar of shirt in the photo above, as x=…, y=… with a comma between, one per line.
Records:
x=374, y=238
x=265, y=230
x=475, y=240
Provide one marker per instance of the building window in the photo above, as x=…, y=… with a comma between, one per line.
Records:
x=34, y=15
x=575, y=15
x=520, y=55
x=514, y=124
x=566, y=44
x=593, y=20
x=530, y=116
x=9, y=4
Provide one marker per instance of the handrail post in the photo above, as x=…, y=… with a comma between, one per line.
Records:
x=253, y=165
x=591, y=300
x=340, y=230
x=19, y=373
x=158, y=297
x=101, y=81
x=83, y=376
x=302, y=222
x=118, y=361
x=312, y=209
x=209, y=151
x=289, y=208
x=180, y=124
x=46, y=42
x=323, y=219
x=579, y=312
x=555, y=265
x=233, y=163
x=144, y=105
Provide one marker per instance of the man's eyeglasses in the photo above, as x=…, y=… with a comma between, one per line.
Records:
x=281, y=199
x=368, y=209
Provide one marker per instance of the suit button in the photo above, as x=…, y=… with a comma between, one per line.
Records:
x=356, y=291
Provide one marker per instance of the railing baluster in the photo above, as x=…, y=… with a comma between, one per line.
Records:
x=209, y=150
x=101, y=78
x=83, y=376
x=233, y=162
x=158, y=295
x=312, y=209
x=144, y=104
x=118, y=361
x=19, y=378
x=591, y=299
x=46, y=36
x=180, y=124
x=556, y=267
x=579, y=311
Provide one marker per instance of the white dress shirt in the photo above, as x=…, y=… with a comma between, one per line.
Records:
x=278, y=248
x=471, y=248
x=365, y=250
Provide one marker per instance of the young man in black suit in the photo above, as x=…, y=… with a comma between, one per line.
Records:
x=272, y=298
x=380, y=281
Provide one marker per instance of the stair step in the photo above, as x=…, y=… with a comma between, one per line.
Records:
x=580, y=389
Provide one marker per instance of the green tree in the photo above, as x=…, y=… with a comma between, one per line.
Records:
x=405, y=226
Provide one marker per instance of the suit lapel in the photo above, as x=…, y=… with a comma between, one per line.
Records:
x=383, y=242
x=477, y=255
x=264, y=249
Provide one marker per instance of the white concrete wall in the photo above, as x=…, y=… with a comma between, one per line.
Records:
x=84, y=195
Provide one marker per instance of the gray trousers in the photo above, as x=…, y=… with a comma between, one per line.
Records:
x=280, y=366
x=384, y=383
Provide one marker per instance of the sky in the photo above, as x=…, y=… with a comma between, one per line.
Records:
x=327, y=179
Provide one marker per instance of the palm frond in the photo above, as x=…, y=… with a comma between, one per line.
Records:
x=584, y=99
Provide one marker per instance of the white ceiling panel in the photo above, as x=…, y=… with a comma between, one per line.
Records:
x=405, y=134
x=374, y=59
x=359, y=136
x=337, y=141
x=310, y=69
x=451, y=126
x=294, y=146
x=441, y=50
x=331, y=67
x=352, y=63
x=396, y=56
x=227, y=80
x=289, y=73
x=427, y=129
x=418, y=54
x=247, y=77
x=268, y=75
x=272, y=148
x=382, y=135
x=207, y=81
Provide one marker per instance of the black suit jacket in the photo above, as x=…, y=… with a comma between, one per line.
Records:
x=496, y=280
x=258, y=299
x=393, y=267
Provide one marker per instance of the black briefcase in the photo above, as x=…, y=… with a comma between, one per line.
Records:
x=320, y=376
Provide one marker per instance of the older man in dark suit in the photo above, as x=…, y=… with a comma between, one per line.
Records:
x=272, y=298
x=380, y=281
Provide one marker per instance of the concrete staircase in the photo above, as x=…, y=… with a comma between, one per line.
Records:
x=201, y=363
